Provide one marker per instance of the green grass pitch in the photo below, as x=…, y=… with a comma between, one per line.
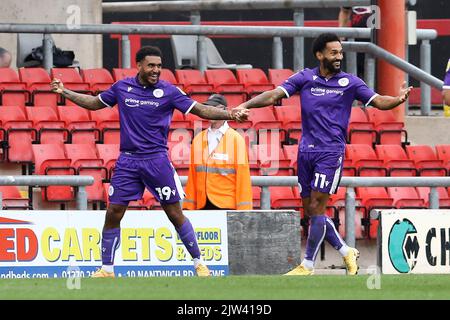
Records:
x=232, y=288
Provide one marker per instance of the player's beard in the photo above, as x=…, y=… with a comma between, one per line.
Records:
x=329, y=65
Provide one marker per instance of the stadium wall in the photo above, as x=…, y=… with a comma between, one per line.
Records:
x=87, y=48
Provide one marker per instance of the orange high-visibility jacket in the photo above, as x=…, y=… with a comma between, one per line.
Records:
x=224, y=175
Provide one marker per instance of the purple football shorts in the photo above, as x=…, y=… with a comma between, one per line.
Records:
x=319, y=171
x=132, y=174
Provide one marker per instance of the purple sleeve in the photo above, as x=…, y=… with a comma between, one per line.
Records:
x=181, y=100
x=447, y=77
x=108, y=97
x=363, y=93
x=293, y=84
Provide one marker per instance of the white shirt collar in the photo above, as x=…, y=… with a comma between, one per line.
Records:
x=222, y=128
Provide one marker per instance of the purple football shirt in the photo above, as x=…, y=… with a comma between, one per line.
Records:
x=145, y=113
x=447, y=77
x=326, y=107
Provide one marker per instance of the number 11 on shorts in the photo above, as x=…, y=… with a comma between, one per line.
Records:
x=322, y=178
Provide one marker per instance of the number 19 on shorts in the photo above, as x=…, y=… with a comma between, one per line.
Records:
x=165, y=192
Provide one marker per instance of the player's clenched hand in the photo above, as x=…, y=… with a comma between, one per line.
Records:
x=57, y=86
x=239, y=114
x=404, y=92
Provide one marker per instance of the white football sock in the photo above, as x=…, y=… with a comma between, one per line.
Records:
x=344, y=250
x=108, y=268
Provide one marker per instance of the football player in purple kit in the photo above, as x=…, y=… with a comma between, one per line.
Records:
x=146, y=105
x=446, y=87
x=326, y=95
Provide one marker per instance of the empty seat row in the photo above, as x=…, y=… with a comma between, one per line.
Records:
x=393, y=160
x=21, y=127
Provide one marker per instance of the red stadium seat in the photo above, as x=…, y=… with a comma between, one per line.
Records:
x=122, y=73
x=269, y=128
x=426, y=160
x=256, y=197
x=405, y=197
x=284, y=198
x=444, y=197
x=84, y=160
x=167, y=75
x=81, y=128
x=12, y=90
x=180, y=156
x=254, y=80
x=99, y=79
x=50, y=159
x=390, y=131
x=364, y=159
x=72, y=80
x=278, y=76
x=193, y=81
x=107, y=120
x=51, y=129
x=291, y=118
x=20, y=134
x=272, y=160
x=395, y=159
x=38, y=84
x=12, y=199
x=109, y=154
x=337, y=201
x=291, y=153
x=443, y=153
x=223, y=80
x=360, y=130
x=374, y=198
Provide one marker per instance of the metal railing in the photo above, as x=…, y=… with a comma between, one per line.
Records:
x=350, y=197
x=276, y=32
x=41, y=181
x=183, y=5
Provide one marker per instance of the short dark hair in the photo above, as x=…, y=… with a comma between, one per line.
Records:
x=321, y=41
x=147, y=51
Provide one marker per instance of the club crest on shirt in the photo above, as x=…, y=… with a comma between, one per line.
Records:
x=158, y=93
x=343, y=82
x=110, y=190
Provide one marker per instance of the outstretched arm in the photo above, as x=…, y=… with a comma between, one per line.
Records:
x=264, y=99
x=83, y=100
x=214, y=113
x=389, y=102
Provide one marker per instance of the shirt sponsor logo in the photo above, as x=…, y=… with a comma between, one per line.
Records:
x=134, y=103
x=322, y=91
x=158, y=93
x=343, y=82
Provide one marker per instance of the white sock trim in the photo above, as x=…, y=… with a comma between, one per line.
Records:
x=197, y=261
x=308, y=264
x=108, y=268
x=344, y=250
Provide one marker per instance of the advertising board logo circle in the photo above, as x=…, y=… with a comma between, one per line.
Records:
x=403, y=246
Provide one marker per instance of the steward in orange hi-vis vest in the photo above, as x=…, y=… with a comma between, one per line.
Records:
x=219, y=173
x=223, y=176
